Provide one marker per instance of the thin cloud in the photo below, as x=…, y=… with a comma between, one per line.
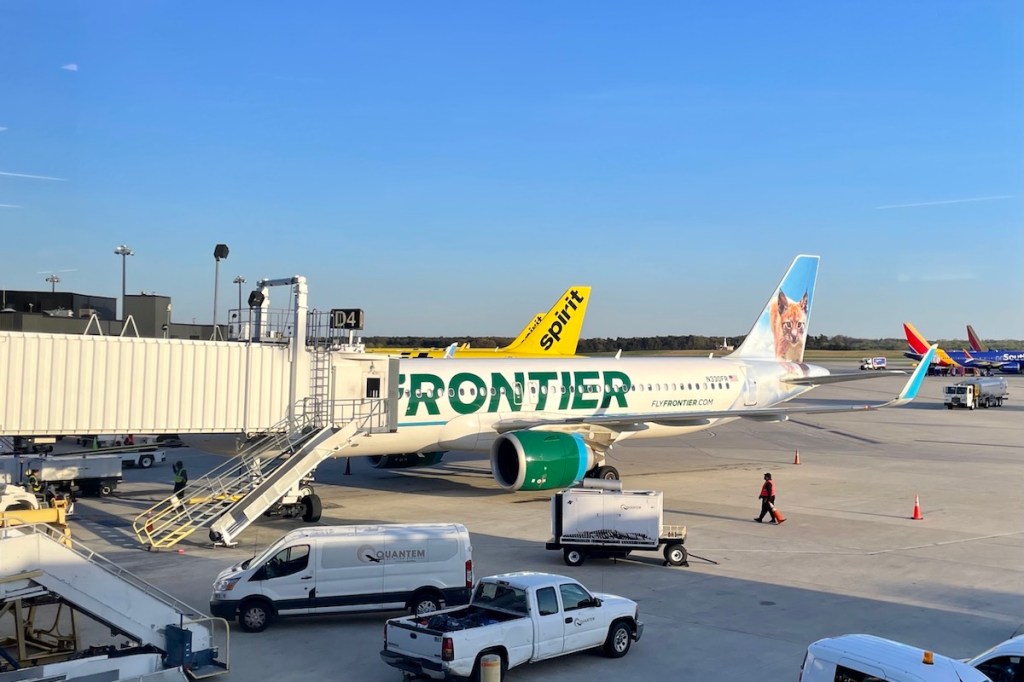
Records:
x=31, y=177
x=70, y=67
x=3, y=128
x=947, y=201
x=9, y=206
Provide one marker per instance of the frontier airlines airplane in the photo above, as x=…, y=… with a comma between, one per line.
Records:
x=550, y=422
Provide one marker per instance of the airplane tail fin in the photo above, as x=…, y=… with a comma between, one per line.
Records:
x=780, y=332
x=527, y=330
x=558, y=332
x=917, y=343
x=920, y=345
x=977, y=345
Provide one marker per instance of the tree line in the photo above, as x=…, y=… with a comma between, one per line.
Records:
x=667, y=343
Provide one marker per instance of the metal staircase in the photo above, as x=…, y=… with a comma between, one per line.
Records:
x=37, y=559
x=285, y=477
x=249, y=484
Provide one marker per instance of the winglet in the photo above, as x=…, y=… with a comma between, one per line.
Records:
x=909, y=391
x=450, y=351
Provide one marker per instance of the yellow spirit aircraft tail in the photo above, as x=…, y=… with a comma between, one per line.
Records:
x=558, y=331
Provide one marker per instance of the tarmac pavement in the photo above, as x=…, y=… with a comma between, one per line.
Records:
x=848, y=559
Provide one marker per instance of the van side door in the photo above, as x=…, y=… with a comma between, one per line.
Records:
x=287, y=579
x=350, y=573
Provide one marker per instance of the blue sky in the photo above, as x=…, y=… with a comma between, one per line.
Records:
x=452, y=167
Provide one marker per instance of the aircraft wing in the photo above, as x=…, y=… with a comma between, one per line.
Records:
x=837, y=378
x=637, y=421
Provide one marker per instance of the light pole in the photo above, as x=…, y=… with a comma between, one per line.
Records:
x=239, y=280
x=220, y=251
x=123, y=251
x=53, y=279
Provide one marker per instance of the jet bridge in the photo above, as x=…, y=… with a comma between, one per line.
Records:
x=38, y=569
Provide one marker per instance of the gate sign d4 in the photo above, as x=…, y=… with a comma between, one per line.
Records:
x=346, y=318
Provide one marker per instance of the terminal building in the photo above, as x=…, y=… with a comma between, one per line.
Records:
x=65, y=312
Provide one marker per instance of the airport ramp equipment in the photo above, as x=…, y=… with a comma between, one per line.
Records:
x=238, y=492
x=35, y=558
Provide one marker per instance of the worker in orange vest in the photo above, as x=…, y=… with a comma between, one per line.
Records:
x=767, y=497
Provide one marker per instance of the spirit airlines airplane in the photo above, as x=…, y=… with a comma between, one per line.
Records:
x=1008, y=361
x=549, y=422
x=558, y=334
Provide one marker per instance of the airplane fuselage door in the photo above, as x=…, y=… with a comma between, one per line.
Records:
x=750, y=396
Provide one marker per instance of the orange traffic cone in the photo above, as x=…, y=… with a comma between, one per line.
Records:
x=777, y=516
x=918, y=516
x=796, y=457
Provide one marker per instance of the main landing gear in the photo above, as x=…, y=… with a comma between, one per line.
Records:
x=608, y=473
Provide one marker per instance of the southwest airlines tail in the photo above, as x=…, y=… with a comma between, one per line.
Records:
x=780, y=332
x=977, y=345
x=558, y=332
x=920, y=346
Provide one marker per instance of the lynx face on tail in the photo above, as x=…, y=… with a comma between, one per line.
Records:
x=789, y=327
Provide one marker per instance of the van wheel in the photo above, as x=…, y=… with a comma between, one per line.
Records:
x=423, y=603
x=574, y=557
x=620, y=637
x=254, y=616
x=146, y=461
x=503, y=670
x=675, y=554
x=105, y=488
x=312, y=508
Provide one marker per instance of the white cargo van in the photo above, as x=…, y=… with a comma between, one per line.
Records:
x=864, y=658
x=349, y=569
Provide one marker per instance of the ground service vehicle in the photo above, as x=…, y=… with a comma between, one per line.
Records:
x=349, y=569
x=976, y=392
x=92, y=474
x=520, y=617
x=610, y=522
x=873, y=363
x=859, y=658
x=143, y=457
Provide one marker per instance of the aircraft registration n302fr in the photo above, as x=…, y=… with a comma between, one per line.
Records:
x=548, y=423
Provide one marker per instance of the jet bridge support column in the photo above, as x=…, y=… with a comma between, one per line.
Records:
x=300, y=289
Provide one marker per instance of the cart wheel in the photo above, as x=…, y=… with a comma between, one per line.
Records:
x=675, y=554
x=574, y=557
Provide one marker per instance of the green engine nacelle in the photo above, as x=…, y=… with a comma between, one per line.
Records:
x=406, y=461
x=539, y=460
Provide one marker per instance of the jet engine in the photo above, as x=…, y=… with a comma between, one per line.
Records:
x=540, y=460
x=1012, y=367
x=406, y=460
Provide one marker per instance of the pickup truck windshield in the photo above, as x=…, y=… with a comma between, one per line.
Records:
x=498, y=596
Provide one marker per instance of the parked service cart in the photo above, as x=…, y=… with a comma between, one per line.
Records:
x=601, y=520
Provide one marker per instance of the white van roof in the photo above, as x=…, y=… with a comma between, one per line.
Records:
x=892, y=656
x=346, y=531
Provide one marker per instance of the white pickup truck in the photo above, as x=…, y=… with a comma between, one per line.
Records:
x=521, y=618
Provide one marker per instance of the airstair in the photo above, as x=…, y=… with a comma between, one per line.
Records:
x=38, y=568
x=238, y=492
